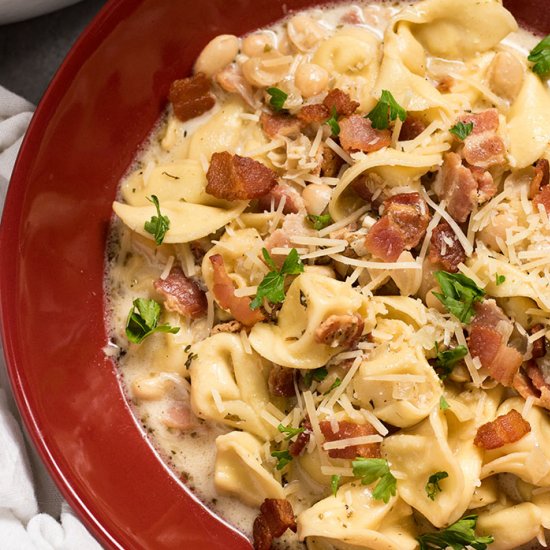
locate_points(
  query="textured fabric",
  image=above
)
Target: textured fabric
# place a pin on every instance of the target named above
(33, 515)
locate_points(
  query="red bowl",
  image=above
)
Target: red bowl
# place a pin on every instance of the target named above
(100, 106)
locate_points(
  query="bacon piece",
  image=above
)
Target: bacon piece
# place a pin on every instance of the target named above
(357, 134)
(231, 327)
(179, 417)
(191, 96)
(486, 121)
(539, 345)
(276, 516)
(280, 125)
(411, 128)
(505, 429)
(281, 381)
(530, 382)
(293, 200)
(365, 185)
(445, 84)
(232, 177)
(331, 164)
(316, 113)
(232, 80)
(340, 330)
(541, 178)
(457, 186)
(445, 248)
(182, 295)
(341, 102)
(296, 447)
(347, 430)
(385, 240)
(483, 147)
(352, 17)
(224, 292)
(543, 198)
(293, 225)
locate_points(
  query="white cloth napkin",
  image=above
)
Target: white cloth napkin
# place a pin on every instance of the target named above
(29, 501)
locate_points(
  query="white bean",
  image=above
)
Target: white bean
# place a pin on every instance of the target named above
(311, 79)
(258, 43)
(266, 70)
(506, 75)
(497, 228)
(305, 33)
(217, 54)
(316, 198)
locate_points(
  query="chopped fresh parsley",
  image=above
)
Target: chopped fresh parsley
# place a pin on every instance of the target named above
(157, 225)
(371, 469)
(283, 458)
(459, 293)
(499, 279)
(458, 536)
(289, 431)
(540, 56)
(317, 374)
(335, 384)
(447, 359)
(333, 122)
(278, 98)
(462, 129)
(386, 110)
(443, 405)
(334, 483)
(143, 321)
(319, 222)
(272, 286)
(433, 487)
(190, 358)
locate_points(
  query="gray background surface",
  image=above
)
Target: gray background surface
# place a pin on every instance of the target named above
(31, 51)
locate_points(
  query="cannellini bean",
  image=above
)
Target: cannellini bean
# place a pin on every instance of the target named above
(305, 33)
(316, 198)
(516, 306)
(432, 301)
(325, 270)
(506, 75)
(266, 70)
(497, 228)
(217, 54)
(258, 43)
(311, 79)
(150, 388)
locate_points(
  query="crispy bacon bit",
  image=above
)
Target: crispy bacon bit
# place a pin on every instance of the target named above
(232, 80)
(483, 147)
(179, 417)
(402, 226)
(541, 178)
(365, 185)
(539, 345)
(281, 381)
(276, 516)
(231, 327)
(280, 125)
(486, 186)
(411, 128)
(357, 134)
(331, 164)
(232, 177)
(182, 295)
(293, 200)
(224, 292)
(445, 248)
(352, 17)
(293, 225)
(530, 382)
(311, 114)
(342, 102)
(543, 198)
(296, 447)
(191, 96)
(486, 121)
(505, 429)
(347, 430)
(457, 186)
(340, 330)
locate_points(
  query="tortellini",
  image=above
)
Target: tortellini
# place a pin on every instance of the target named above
(228, 385)
(310, 300)
(239, 470)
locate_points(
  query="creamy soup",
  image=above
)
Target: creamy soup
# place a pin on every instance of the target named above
(328, 279)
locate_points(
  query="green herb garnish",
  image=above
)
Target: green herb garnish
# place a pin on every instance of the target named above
(443, 405)
(319, 222)
(540, 56)
(283, 458)
(317, 374)
(289, 431)
(371, 469)
(462, 129)
(458, 536)
(335, 384)
(157, 225)
(458, 294)
(272, 286)
(499, 279)
(334, 483)
(333, 122)
(143, 321)
(387, 109)
(278, 98)
(447, 359)
(433, 487)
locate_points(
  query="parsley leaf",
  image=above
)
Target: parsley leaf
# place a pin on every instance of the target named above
(333, 122)
(462, 130)
(540, 56)
(335, 384)
(283, 458)
(443, 405)
(457, 536)
(386, 110)
(290, 431)
(272, 286)
(278, 98)
(499, 279)
(433, 487)
(317, 374)
(319, 222)
(334, 483)
(459, 293)
(143, 321)
(447, 359)
(157, 225)
(371, 469)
